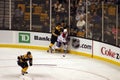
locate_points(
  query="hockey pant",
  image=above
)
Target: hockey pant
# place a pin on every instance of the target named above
(24, 66)
(63, 44)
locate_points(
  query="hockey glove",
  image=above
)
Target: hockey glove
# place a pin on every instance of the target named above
(30, 64)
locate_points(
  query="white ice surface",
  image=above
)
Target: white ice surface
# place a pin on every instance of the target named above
(55, 67)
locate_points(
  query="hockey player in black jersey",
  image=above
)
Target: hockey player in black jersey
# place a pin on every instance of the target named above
(23, 62)
(54, 36)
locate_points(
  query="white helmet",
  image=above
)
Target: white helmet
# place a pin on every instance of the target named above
(65, 30)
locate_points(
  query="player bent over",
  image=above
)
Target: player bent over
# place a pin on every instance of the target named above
(54, 37)
(62, 41)
(23, 62)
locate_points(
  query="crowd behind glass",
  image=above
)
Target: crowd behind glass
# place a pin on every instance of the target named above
(91, 19)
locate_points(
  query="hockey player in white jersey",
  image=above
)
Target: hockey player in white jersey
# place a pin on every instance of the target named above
(62, 41)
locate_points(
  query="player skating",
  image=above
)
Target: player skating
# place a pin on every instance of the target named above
(23, 62)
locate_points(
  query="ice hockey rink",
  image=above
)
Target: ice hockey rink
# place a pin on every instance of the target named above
(54, 66)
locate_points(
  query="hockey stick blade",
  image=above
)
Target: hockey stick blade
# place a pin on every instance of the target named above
(44, 64)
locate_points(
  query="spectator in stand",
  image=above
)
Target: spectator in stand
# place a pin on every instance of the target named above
(57, 19)
(114, 30)
(81, 23)
(72, 10)
(60, 8)
(45, 27)
(72, 14)
(97, 32)
(96, 19)
(89, 27)
(57, 6)
(73, 31)
(108, 38)
(81, 27)
(80, 7)
(18, 17)
(46, 6)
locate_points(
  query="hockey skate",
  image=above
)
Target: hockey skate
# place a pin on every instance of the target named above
(50, 49)
(65, 51)
(23, 73)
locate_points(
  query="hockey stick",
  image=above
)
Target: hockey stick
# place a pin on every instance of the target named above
(44, 64)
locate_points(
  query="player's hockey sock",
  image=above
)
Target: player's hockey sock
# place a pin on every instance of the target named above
(50, 47)
(24, 70)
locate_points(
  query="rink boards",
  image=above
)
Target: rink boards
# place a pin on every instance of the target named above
(80, 46)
